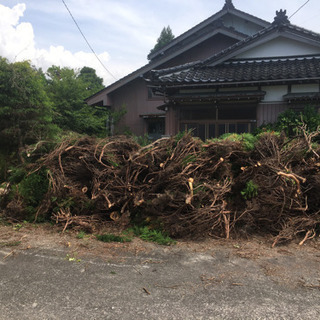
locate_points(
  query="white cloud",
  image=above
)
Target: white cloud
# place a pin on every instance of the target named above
(17, 43)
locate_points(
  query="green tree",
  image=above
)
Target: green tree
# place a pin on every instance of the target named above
(165, 37)
(25, 110)
(92, 81)
(67, 90)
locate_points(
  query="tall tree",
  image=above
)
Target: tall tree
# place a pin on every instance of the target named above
(92, 81)
(25, 111)
(165, 37)
(67, 90)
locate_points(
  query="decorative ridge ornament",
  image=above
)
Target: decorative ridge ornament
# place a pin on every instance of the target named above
(281, 18)
(228, 5)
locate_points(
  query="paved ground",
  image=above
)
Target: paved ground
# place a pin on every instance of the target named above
(68, 278)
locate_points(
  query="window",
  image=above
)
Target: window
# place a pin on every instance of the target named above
(208, 122)
(155, 128)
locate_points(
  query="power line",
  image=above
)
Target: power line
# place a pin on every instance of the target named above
(299, 9)
(84, 37)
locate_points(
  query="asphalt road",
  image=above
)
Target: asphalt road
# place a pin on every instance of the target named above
(164, 283)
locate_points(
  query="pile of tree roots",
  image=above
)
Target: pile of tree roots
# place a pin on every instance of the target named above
(186, 187)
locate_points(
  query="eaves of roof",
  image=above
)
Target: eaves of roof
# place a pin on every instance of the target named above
(154, 64)
(267, 70)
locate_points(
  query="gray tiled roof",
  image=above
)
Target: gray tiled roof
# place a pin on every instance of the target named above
(254, 70)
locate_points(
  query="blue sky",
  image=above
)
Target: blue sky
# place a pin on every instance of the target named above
(122, 32)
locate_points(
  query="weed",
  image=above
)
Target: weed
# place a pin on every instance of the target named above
(142, 140)
(81, 235)
(147, 234)
(250, 191)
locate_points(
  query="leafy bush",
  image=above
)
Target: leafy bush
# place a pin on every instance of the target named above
(290, 121)
(33, 187)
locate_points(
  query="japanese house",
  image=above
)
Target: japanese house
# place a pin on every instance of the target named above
(231, 73)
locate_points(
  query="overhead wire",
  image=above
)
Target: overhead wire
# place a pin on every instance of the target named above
(84, 37)
(299, 9)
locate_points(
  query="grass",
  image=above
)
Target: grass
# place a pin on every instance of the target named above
(152, 235)
(144, 233)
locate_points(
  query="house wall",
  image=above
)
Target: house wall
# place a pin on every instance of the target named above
(305, 88)
(133, 97)
(268, 112)
(241, 25)
(280, 47)
(274, 93)
(201, 51)
(273, 103)
(172, 121)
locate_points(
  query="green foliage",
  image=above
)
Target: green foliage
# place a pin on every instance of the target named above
(165, 37)
(250, 191)
(81, 235)
(142, 140)
(190, 158)
(290, 121)
(181, 134)
(65, 203)
(33, 187)
(16, 174)
(147, 234)
(3, 167)
(25, 110)
(92, 82)
(248, 140)
(112, 238)
(67, 90)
